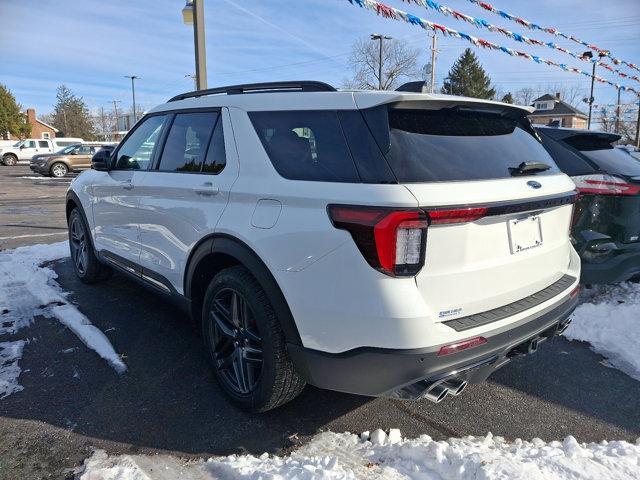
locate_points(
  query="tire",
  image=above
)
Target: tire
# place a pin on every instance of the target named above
(9, 160)
(248, 350)
(58, 170)
(85, 263)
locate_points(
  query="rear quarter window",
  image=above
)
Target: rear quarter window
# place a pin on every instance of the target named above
(306, 145)
(459, 145)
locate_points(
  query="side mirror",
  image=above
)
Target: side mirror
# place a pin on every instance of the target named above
(22, 147)
(101, 161)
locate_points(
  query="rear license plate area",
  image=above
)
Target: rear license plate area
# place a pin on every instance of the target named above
(525, 233)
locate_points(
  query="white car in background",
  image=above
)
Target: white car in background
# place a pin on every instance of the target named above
(378, 243)
(23, 151)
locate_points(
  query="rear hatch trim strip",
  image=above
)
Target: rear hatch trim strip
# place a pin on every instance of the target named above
(516, 206)
(500, 313)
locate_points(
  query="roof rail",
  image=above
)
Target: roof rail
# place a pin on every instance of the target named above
(302, 86)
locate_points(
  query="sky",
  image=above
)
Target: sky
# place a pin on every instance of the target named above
(90, 45)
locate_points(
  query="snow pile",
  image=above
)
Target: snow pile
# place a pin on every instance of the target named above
(609, 319)
(331, 456)
(27, 290)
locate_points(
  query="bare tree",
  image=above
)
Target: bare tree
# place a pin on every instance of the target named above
(571, 94)
(525, 96)
(398, 61)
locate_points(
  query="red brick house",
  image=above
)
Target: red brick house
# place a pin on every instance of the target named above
(552, 111)
(39, 129)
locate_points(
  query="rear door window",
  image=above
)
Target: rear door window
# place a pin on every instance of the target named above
(458, 145)
(186, 145)
(43, 144)
(306, 145)
(216, 158)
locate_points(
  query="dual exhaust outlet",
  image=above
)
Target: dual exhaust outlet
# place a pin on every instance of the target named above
(439, 392)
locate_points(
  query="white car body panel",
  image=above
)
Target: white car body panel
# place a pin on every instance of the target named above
(338, 301)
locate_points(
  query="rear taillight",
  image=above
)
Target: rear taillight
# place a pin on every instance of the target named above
(602, 184)
(391, 241)
(458, 215)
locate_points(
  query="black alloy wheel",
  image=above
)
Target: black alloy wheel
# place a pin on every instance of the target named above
(78, 245)
(236, 341)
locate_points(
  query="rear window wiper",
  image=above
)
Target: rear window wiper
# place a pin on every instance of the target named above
(526, 168)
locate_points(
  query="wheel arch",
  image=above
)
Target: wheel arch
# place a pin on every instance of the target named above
(219, 251)
(73, 201)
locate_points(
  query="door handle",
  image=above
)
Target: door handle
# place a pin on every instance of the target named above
(207, 189)
(127, 185)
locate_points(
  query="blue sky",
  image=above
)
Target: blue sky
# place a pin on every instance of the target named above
(91, 44)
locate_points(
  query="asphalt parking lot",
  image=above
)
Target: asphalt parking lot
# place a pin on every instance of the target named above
(167, 401)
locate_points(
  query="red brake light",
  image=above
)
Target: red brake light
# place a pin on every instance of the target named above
(391, 241)
(460, 346)
(459, 215)
(602, 184)
(574, 293)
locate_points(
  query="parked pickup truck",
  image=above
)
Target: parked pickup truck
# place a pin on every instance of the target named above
(26, 149)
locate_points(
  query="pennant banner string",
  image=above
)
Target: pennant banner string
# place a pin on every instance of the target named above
(396, 14)
(553, 31)
(480, 23)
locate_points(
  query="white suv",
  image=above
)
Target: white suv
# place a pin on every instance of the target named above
(377, 243)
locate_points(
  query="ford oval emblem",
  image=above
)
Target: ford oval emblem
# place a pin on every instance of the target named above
(534, 184)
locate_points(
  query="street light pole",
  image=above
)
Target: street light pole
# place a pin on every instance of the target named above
(133, 93)
(193, 14)
(380, 38)
(618, 113)
(434, 41)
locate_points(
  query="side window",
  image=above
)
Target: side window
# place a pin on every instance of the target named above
(135, 153)
(306, 145)
(29, 144)
(43, 144)
(85, 150)
(187, 141)
(216, 155)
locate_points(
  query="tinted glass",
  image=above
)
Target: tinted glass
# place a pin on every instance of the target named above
(85, 150)
(306, 145)
(452, 145)
(614, 160)
(216, 158)
(568, 160)
(43, 144)
(135, 153)
(187, 142)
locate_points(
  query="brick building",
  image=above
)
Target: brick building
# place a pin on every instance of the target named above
(552, 111)
(39, 129)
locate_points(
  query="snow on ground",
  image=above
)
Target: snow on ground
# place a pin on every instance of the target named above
(609, 319)
(331, 456)
(28, 289)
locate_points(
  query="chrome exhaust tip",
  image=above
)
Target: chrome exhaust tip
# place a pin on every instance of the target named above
(437, 393)
(455, 386)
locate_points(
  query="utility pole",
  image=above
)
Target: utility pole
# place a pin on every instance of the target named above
(434, 41)
(594, 61)
(133, 92)
(618, 113)
(638, 127)
(193, 14)
(380, 38)
(115, 112)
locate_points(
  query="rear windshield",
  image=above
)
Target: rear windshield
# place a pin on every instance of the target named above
(607, 157)
(452, 145)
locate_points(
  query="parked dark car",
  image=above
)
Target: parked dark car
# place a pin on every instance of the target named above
(606, 223)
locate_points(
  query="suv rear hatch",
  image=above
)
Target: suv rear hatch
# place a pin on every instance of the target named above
(499, 208)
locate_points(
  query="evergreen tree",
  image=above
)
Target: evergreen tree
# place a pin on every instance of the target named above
(71, 115)
(508, 98)
(11, 120)
(468, 78)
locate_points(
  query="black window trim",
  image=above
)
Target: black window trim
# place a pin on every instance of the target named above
(114, 154)
(154, 166)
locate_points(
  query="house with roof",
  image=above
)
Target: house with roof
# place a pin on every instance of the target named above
(39, 129)
(553, 112)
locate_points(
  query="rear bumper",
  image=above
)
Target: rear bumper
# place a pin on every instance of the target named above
(395, 373)
(618, 268)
